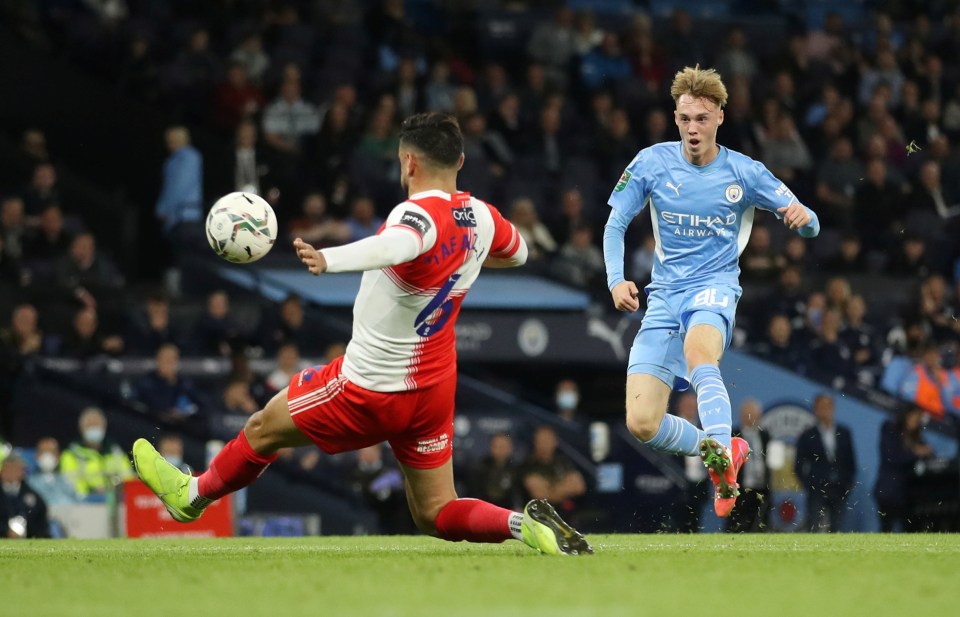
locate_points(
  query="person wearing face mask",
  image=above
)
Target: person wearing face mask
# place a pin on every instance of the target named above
(48, 482)
(23, 513)
(568, 400)
(170, 448)
(93, 464)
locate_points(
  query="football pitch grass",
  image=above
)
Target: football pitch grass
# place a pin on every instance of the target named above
(657, 575)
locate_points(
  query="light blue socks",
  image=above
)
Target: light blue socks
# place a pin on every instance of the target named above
(712, 402)
(677, 436)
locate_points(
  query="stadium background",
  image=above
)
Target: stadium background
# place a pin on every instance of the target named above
(853, 104)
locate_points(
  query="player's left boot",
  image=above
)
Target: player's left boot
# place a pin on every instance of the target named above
(723, 466)
(544, 530)
(169, 483)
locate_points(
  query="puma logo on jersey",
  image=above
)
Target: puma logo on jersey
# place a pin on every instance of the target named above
(676, 189)
(416, 221)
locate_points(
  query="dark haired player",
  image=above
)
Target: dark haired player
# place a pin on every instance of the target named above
(397, 379)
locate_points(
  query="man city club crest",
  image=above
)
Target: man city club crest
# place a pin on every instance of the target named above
(734, 193)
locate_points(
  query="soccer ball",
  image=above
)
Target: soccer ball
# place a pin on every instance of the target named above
(241, 227)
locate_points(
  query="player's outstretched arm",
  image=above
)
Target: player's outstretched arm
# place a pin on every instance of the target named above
(518, 258)
(313, 259)
(393, 246)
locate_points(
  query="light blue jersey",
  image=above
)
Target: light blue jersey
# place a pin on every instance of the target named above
(702, 216)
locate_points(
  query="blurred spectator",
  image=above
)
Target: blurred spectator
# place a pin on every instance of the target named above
(23, 337)
(495, 478)
(837, 181)
(548, 474)
(780, 348)
(33, 143)
(85, 340)
(884, 71)
(216, 332)
(540, 244)
(586, 34)
(150, 327)
(236, 99)
(936, 310)
(180, 204)
(166, 393)
(333, 351)
(932, 206)
(580, 261)
(11, 273)
(552, 45)
(234, 407)
(570, 216)
(616, 143)
(48, 482)
(910, 259)
(547, 145)
(438, 91)
(795, 253)
(13, 227)
(290, 324)
(139, 73)
(930, 386)
(406, 88)
(170, 448)
(830, 358)
(696, 492)
(849, 259)
(858, 335)
(381, 486)
(759, 262)
(363, 220)
(901, 446)
(838, 293)
(826, 467)
(84, 272)
(251, 56)
(787, 298)
(42, 191)
(94, 464)
(50, 242)
(736, 61)
(335, 144)
(752, 510)
(877, 206)
(288, 365)
(784, 151)
(23, 512)
(316, 226)
(289, 119)
(604, 65)
(567, 399)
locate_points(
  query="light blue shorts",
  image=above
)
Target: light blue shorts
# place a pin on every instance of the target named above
(658, 347)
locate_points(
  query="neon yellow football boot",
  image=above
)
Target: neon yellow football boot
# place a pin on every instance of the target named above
(169, 483)
(544, 530)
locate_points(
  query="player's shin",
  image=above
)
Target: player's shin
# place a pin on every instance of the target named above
(234, 467)
(713, 402)
(676, 436)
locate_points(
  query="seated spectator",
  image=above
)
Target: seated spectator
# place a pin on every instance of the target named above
(540, 244)
(380, 485)
(170, 448)
(167, 394)
(570, 216)
(49, 482)
(94, 464)
(830, 358)
(759, 261)
(251, 56)
(849, 259)
(363, 220)
(13, 227)
(795, 253)
(150, 327)
(838, 293)
(42, 191)
(23, 513)
(858, 335)
(85, 340)
(288, 120)
(910, 260)
(12, 274)
(290, 324)
(877, 207)
(901, 446)
(837, 182)
(936, 311)
(780, 348)
(494, 478)
(604, 65)
(548, 474)
(50, 243)
(23, 337)
(236, 98)
(83, 272)
(930, 386)
(580, 261)
(315, 226)
(567, 398)
(216, 332)
(288, 365)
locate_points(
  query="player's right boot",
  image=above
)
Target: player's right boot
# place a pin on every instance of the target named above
(723, 466)
(170, 484)
(544, 530)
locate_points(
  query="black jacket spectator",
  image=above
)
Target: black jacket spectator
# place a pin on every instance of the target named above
(23, 513)
(826, 468)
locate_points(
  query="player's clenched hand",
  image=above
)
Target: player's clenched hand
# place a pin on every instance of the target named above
(795, 216)
(313, 259)
(625, 295)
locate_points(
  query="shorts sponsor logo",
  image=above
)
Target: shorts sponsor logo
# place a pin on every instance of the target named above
(416, 221)
(622, 183)
(434, 444)
(734, 193)
(464, 217)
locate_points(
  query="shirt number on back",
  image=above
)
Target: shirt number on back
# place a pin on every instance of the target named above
(441, 302)
(708, 297)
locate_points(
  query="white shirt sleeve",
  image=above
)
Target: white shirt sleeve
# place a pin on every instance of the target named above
(408, 233)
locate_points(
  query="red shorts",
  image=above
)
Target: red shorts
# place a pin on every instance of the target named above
(339, 415)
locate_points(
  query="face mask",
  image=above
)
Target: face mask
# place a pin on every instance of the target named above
(567, 399)
(47, 462)
(176, 461)
(94, 434)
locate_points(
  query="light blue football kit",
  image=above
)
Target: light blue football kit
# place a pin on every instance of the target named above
(702, 217)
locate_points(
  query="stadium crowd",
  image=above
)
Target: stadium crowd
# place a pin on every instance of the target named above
(859, 115)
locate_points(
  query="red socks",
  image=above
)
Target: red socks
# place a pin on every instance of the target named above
(474, 521)
(235, 467)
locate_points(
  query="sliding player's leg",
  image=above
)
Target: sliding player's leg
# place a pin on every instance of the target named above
(237, 465)
(438, 511)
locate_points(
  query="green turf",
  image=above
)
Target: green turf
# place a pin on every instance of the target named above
(657, 575)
